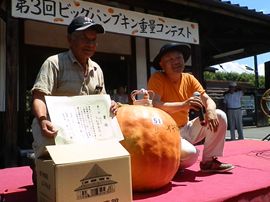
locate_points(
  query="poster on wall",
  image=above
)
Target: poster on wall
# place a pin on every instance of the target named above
(113, 19)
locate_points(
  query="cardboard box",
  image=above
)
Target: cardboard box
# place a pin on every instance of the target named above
(98, 172)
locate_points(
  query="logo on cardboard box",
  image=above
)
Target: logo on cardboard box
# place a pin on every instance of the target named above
(96, 182)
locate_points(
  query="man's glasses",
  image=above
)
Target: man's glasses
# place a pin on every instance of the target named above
(83, 39)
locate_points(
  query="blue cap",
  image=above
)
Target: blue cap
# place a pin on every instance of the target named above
(82, 23)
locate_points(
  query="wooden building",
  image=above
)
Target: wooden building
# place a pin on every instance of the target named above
(225, 32)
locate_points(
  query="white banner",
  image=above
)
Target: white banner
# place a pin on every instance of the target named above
(113, 19)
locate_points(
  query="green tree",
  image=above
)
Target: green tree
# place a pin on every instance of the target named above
(232, 76)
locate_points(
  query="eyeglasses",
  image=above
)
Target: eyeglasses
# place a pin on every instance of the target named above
(84, 39)
(91, 42)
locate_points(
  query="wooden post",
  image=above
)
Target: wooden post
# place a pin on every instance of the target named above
(256, 72)
(267, 74)
(197, 68)
(12, 69)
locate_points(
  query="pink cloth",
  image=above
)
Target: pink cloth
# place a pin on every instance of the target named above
(249, 181)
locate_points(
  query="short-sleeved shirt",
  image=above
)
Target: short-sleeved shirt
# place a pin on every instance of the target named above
(233, 100)
(62, 75)
(179, 92)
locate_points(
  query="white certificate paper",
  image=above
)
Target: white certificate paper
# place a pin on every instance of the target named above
(80, 119)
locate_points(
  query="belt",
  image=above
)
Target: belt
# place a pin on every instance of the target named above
(234, 108)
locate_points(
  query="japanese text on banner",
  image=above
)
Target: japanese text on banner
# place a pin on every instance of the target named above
(113, 19)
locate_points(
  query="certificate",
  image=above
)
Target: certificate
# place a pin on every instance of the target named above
(80, 119)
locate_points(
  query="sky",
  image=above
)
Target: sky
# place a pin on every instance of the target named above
(258, 5)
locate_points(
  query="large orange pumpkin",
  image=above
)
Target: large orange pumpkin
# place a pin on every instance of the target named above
(152, 138)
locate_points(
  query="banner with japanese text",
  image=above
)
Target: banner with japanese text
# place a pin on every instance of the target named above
(113, 19)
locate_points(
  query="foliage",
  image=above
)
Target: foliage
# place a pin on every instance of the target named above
(232, 76)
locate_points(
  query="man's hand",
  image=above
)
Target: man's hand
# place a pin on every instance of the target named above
(40, 111)
(47, 128)
(114, 107)
(194, 103)
(212, 120)
(210, 115)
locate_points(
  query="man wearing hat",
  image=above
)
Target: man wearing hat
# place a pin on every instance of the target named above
(232, 101)
(176, 93)
(68, 73)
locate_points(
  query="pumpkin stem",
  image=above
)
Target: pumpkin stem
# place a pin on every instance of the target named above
(146, 94)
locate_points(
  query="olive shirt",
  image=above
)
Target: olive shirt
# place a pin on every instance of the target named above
(170, 92)
(62, 75)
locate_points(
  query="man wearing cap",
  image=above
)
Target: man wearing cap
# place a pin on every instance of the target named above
(232, 101)
(176, 93)
(68, 73)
